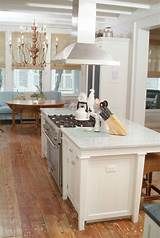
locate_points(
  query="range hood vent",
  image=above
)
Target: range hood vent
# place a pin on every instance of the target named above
(84, 51)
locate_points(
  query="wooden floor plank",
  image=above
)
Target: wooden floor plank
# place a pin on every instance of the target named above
(30, 204)
(10, 223)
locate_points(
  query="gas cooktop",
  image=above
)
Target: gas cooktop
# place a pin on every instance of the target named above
(70, 121)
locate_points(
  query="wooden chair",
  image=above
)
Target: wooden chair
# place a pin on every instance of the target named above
(152, 164)
(30, 117)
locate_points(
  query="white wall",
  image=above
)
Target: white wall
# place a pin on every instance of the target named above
(114, 79)
(137, 27)
(125, 24)
(139, 75)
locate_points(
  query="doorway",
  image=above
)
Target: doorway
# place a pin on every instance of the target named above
(152, 110)
(140, 55)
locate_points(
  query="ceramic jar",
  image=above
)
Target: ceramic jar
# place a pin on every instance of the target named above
(108, 32)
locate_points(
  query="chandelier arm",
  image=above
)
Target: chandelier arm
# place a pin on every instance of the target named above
(43, 57)
(13, 58)
(23, 54)
(20, 54)
(46, 54)
(27, 54)
(39, 59)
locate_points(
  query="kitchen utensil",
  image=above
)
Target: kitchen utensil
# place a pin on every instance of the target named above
(82, 104)
(82, 108)
(97, 123)
(81, 114)
(111, 121)
(82, 111)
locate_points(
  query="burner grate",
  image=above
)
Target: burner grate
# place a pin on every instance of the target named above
(70, 121)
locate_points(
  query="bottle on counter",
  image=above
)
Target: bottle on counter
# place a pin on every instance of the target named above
(97, 122)
(108, 32)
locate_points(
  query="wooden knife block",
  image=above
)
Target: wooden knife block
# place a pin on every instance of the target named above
(114, 126)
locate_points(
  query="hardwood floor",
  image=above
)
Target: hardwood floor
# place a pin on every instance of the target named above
(30, 204)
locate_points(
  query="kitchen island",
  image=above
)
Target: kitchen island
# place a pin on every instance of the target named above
(102, 174)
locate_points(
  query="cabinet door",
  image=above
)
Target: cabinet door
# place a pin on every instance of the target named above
(109, 186)
(73, 178)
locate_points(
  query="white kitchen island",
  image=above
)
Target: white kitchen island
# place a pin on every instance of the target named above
(102, 173)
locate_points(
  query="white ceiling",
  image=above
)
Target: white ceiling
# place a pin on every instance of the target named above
(58, 12)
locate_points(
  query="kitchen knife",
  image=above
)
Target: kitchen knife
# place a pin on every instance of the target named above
(111, 121)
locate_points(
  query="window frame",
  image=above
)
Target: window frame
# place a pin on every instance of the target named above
(64, 92)
(19, 88)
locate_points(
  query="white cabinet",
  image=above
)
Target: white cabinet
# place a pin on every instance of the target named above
(102, 186)
(71, 161)
(109, 186)
(114, 79)
(73, 178)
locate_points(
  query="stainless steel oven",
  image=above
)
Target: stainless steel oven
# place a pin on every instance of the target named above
(53, 134)
(54, 152)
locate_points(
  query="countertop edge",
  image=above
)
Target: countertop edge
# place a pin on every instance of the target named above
(85, 148)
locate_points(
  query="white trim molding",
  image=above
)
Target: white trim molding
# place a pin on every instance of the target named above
(140, 64)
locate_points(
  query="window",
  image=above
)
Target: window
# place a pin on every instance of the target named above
(26, 80)
(2, 60)
(69, 84)
(153, 83)
(2, 78)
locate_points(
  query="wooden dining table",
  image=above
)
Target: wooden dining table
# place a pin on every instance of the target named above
(18, 107)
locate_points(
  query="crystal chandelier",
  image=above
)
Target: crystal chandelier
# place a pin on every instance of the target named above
(30, 50)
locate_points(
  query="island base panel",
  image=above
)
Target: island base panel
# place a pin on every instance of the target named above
(102, 187)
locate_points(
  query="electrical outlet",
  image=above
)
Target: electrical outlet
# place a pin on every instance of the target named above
(111, 168)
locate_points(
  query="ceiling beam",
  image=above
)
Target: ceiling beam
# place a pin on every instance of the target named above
(55, 6)
(124, 4)
(114, 11)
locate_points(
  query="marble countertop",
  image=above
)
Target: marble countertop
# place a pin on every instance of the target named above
(138, 136)
(86, 139)
(51, 111)
(153, 211)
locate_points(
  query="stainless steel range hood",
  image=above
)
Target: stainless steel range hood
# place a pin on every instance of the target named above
(84, 51)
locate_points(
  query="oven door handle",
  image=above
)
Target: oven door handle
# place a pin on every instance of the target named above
(49, 140)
